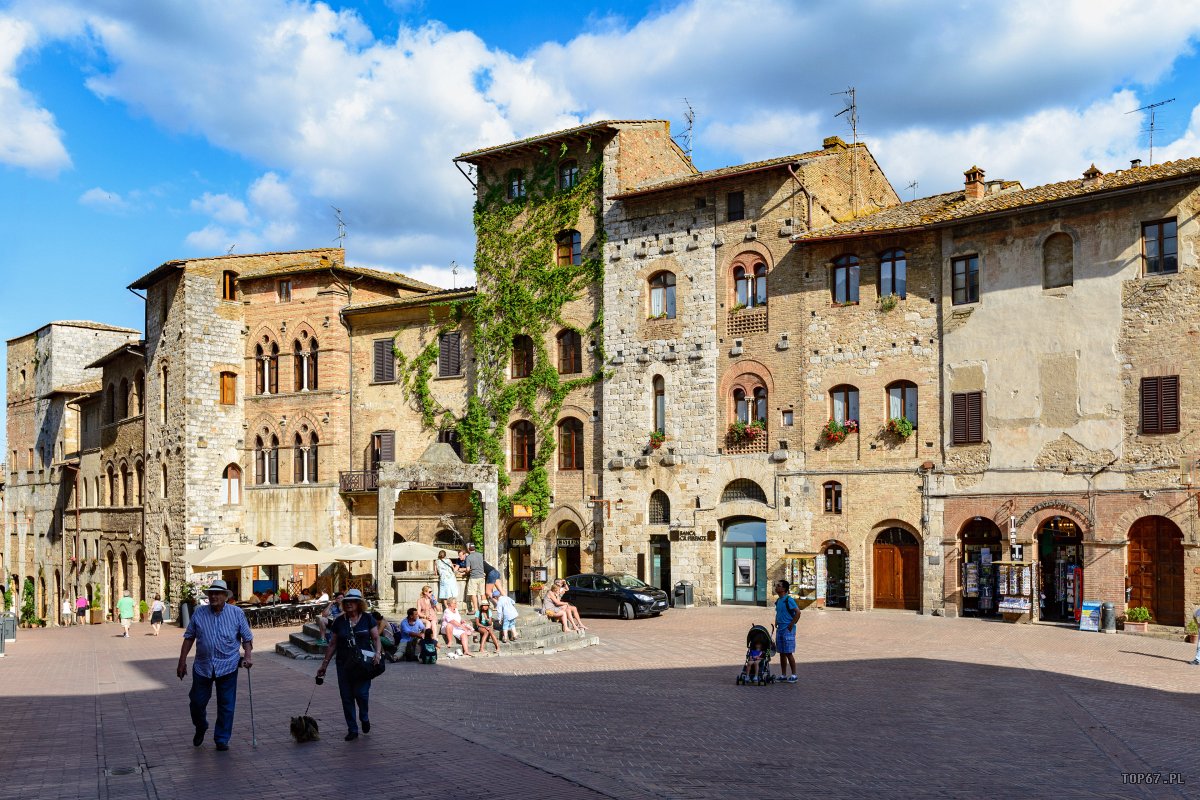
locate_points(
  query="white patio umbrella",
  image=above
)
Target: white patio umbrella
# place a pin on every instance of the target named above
(210, 558)
(281, 556)
(352, 552)
(414, 551)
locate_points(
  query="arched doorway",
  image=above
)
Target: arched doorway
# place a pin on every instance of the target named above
(139, 559)
(982, 543)
(744, 562)
(110, 602)
(63, 619)
(837, 574)
(897, 567)
(567, 549)
(1155, 569)
(1060, 562)
(304, 576)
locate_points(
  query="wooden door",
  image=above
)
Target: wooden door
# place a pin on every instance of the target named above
(1155, 569)
(910, 572)
(897, 578)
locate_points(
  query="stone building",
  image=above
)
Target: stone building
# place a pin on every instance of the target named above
(708, 309)
(249, 365)
(1066, 313)
(48, 370)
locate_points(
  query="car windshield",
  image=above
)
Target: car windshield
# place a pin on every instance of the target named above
(628, 582)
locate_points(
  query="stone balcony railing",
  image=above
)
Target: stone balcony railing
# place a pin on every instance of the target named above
(748, 320)
(756, 445)
(363, 480)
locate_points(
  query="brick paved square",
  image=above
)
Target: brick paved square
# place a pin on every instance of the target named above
(888, 705)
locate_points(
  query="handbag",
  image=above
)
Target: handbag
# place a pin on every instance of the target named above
(360, 667)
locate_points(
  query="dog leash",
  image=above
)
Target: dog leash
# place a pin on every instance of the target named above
(310, 698)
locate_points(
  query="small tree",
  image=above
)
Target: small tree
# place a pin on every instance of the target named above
(28, 615)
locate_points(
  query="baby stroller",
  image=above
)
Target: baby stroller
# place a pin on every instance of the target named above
(760, 649)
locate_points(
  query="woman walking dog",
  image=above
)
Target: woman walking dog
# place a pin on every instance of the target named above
(353, 629)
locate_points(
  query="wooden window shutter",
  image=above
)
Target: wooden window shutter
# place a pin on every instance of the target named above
(274, 362)
(385, 362)
(1170, 404)
(958, 419)
(975, 417)
(449, 355)
(387, 446)
(273, 464)
(1151, 419)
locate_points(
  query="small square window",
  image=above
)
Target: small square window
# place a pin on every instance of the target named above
(736, 206)
(964, 273)
(788, 418)
(284, 291)
(701, 202)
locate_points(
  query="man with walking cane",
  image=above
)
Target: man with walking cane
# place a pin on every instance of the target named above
(223, 642)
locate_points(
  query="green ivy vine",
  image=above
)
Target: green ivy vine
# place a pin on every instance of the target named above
(521, 291)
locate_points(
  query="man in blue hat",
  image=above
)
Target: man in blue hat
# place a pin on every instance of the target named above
(223, 641)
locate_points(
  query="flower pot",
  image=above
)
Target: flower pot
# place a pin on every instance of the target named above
(96, 615)
(1190, 638)
(1136, 627)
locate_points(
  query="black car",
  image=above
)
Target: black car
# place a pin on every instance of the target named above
(615, 595)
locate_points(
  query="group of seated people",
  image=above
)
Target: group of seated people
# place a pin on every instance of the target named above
(559, 610)
(268, 597)
(494, 621)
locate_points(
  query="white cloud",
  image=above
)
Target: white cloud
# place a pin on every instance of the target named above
(272, 196)
(103, 200)
(29, 136)
(222, 208)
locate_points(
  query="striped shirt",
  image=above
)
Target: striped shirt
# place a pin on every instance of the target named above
(218, 639)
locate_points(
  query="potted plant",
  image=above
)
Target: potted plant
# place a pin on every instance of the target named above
(834, 431)
(900, 427)
(96, 612)
(656, 439)
(1137, 619)
(144, 610)
(1191, 630)
(744, 432)
(28, 616)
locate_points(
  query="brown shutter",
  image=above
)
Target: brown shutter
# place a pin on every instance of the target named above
(273, 463)
(449, 355)
(258, 376)
(975, 417)
(1151, 419)
(958, 419)
(274, 361)
(312, 368)
(385, 362)
(387, 446)
(1170, 403)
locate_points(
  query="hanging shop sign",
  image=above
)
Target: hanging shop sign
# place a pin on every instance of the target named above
(521, 512)
(693, 536)
(435, 486)
(518, 542)
(568, 543)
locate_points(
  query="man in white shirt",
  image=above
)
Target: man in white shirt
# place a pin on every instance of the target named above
(324, 598)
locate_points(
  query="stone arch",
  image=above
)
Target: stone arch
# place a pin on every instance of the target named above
(1039, 513)
(1155, 507)
(263, 331)
(561, 514)
(741, 369)
(894, 522)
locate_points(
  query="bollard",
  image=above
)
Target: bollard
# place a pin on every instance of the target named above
(1108, 617)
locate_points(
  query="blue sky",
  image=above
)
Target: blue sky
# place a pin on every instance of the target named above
(143, 130)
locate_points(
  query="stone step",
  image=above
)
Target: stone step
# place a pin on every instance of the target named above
(292, 651)
(306, 642)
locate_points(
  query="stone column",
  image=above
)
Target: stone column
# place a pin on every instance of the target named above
(385, 525)
(491, 521)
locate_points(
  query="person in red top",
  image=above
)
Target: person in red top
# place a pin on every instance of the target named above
(81, 608)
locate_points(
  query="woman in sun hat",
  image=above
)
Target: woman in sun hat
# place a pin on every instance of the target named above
(353, 629)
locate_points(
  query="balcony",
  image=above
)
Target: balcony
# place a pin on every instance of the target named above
(748, 320)
(358, 481)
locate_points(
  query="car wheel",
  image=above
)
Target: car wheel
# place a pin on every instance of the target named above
(626, 611)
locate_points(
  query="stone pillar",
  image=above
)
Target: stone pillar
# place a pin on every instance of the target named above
(491, 521)
(385, 524)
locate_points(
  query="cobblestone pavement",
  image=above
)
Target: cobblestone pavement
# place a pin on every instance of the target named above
(888, 705)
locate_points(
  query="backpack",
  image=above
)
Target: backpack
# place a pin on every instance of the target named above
(428, 652)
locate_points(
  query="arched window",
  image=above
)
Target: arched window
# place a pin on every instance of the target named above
(266, 460)
(162, 480)
(845, 279)
(162, 397)
(662, 295)
(833, 497)
(570, 444)
(893, 274)
(266, 380)
(759, 411)
(1058, 261)
(569, 248)
(750, 285)
(123, 399)
(660, 404)
(741, 286)
(110, 405)
(902, 401)
(231, 485)
(304, 364)
(844, 403)
(139, 392)
(299, 460)
(139, 477)
(660, 508)
(522, 359)
(570, 352)
(313, 353)
(313, 451)
(741, 408)
(743, 489)
(110, 498)
(522, 445)
(568, 175)
(759, 295)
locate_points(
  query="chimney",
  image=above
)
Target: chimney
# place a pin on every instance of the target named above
(1134, 163)
(1091, 176)
(833, 143)
(974, 186)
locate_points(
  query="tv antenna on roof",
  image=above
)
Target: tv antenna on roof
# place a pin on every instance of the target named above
(1151, 108)
(913, 185)
(341, 226)
(229, 252)
(852, 109)
(689, 122)
(454, 272)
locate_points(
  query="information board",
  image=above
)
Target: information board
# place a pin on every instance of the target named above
(1089, 617)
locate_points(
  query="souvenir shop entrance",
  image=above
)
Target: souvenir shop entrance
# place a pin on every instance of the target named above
(981, 546)
(1060, 562)
(837, 573)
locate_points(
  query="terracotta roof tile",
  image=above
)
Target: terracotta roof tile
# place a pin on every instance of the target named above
(77, 389)
(954, 206)
(723, 172)
(607, 123)
(441, 296)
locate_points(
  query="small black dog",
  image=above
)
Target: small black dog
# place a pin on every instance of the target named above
(304, 729)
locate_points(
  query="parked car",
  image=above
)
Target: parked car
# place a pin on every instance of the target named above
(615, 595)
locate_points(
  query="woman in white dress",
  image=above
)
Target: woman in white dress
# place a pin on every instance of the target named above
(447, 579)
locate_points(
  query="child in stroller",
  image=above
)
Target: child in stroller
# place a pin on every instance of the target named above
(760, 649)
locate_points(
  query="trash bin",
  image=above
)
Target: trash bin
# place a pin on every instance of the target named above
(8, 624)
(684, 595)
(1108, 617)
(185, 614)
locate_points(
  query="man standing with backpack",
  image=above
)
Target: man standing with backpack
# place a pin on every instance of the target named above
(787, 611)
